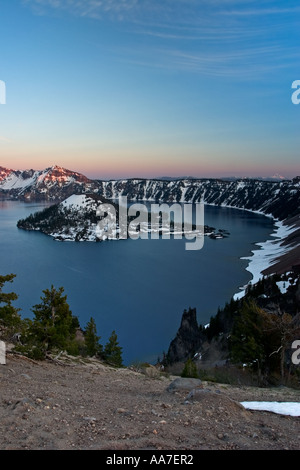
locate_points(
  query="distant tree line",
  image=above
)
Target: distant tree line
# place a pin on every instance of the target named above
(53, 328)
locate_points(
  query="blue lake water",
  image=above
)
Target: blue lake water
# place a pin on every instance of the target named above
(137, 287)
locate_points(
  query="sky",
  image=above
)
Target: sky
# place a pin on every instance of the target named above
(151, 88)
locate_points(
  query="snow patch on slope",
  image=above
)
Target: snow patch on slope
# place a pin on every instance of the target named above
(13, 181)
(282, 408)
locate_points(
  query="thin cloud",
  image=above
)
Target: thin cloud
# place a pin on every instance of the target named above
(238, 65)
(83, 8)
(206, 33)
(262, 11)
(209, 37)
(243, 63)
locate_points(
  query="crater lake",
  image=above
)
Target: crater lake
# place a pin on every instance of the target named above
(139, 288)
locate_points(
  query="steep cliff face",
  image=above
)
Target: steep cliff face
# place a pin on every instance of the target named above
(279, 199)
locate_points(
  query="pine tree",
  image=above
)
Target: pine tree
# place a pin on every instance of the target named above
(93, 347)
(53, 325)
(190, 370)
(247, 338)
(261, 339)
(10, 320)
(113, 352)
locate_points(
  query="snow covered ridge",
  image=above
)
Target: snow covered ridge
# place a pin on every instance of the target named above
(279, 199)
(53, 183)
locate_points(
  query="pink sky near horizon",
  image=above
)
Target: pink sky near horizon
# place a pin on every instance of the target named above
(120, 167)
(210, 159)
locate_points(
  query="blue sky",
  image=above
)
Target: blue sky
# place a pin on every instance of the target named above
(145, 88)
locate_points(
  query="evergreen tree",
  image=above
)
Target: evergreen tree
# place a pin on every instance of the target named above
(10, 320)
(190, 369)
(93, 347)
(113, 352)
(53, 325)
(246, 340)
(261, 339)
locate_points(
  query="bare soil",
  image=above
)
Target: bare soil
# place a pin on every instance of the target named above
(89, 406)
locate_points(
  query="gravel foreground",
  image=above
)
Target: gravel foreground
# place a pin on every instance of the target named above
(89, 406)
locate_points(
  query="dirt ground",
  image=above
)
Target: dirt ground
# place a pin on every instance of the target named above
(49, 406)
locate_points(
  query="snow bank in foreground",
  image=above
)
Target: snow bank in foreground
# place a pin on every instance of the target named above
(282, 408)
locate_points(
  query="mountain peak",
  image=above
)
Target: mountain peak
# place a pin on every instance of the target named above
(4, 172)
(59, 170)
(52, 183)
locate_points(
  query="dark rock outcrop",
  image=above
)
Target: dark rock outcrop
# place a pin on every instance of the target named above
(187, 340)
